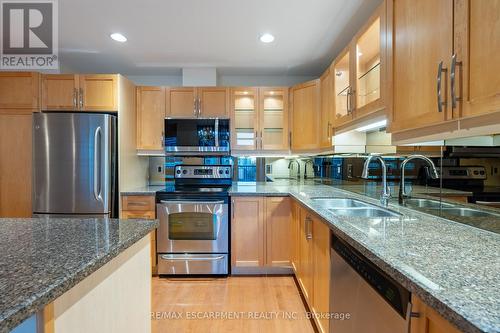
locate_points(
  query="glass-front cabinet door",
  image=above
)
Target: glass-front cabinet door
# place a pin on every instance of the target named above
(273, 133)
(343, 89)
(245, 121)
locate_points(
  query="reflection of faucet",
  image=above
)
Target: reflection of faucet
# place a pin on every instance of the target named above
(298, 167)
(386, 191)
(305, 168)
(433, 173)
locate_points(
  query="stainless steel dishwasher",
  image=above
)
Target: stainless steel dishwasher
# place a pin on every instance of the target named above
(362, 297)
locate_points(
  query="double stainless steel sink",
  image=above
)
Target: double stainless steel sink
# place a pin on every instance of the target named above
(353, 208)
(358, 208)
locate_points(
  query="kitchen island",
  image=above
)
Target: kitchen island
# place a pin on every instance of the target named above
(76, 274)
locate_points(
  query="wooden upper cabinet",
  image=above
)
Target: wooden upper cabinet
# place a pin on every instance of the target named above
(273, 118)
(244, 118)
(343, 89)
(213, 102)
(98, 92)
(305, 115)
(59, 92)
(278, 230)
(326, 125)
(181, 102)
(370, 64)
(247, 233)
(428, 320)
(19, 90)
(477, 49)
(422, 40)
(150, 117)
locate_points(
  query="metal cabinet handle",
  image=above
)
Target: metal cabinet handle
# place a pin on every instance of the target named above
(256, 140)
(454, 64)
(195, 106)
(440, 101)
(308, 228)
(199, 107)
(260, 139)
(80, 93)
(348, 100)
(232, 208)
(193, 202)
(290, 139)
(162, 139)
(409, 315)
(75, 98)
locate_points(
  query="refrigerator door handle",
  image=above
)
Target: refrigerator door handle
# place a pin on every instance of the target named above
(97, 162)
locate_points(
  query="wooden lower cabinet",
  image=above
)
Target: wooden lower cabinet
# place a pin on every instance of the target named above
(321, 273)
(428, 320)
(141, 207)
(15, 163)
(311, 245)
(260, 234)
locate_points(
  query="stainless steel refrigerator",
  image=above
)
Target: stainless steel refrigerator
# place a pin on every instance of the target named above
(74, 164)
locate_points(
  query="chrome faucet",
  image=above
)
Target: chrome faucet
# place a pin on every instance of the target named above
(305, 167)
(298, 167)
(386, 191)
(433, 173)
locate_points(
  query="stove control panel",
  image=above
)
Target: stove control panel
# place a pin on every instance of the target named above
(204, 171)
(464, 172)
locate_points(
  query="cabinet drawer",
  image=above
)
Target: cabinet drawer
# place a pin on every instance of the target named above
(138, 203)
(150, 215)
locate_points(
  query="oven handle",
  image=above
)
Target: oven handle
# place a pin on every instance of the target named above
(181, 202)
(184, 258)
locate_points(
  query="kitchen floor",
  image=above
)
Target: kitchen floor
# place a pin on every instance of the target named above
(249, 304)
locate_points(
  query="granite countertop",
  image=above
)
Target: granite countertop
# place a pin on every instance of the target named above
(453, 267)
(145, 190)
(42, 258)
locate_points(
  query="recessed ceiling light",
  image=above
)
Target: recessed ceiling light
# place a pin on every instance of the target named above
(118, 37)
(266, 38)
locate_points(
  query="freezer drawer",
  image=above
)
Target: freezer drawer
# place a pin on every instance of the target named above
(193, 264)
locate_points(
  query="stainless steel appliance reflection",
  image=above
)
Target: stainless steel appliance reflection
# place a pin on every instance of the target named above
(193, 236)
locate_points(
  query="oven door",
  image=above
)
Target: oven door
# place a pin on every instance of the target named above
(193, 226)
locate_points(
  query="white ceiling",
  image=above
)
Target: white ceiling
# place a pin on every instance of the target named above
(165, 36)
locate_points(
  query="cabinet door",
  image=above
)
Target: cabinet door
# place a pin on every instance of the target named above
(15, 164)
(19, 90)
(150, 117)
(369, 66)
(343, 88)
(59, 92)
(428, 321)
(305, 115)
(326, 127)
(244, 118)
(477, 46)
(98, 92)
(278, 230)
(181, 102)
(294, 235)
(247, 232)
(305, 272)
(273, 118)
(213, 102)
(422, 39)
(321, 272)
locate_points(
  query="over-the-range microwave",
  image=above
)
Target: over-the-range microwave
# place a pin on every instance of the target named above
(197, 136)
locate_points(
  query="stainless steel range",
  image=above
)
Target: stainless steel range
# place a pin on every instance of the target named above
(193, 237)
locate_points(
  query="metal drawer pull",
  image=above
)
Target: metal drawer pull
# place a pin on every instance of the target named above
(440, 102)
(454, 64)
(175, 258)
